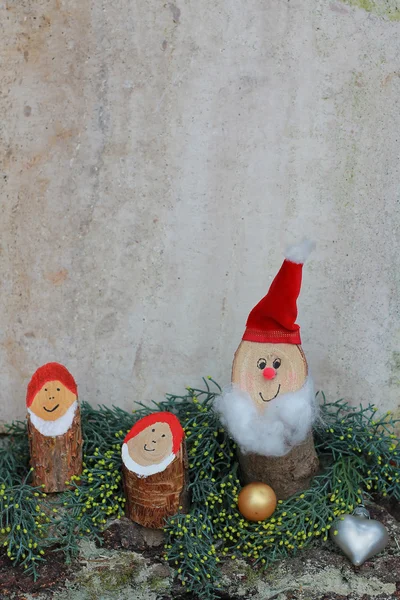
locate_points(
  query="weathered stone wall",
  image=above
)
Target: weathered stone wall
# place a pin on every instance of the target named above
(155, 160)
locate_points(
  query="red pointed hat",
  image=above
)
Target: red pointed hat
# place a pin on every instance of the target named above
(273, 319)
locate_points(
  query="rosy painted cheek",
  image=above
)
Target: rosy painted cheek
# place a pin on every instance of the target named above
(290, 379)
(247, 380)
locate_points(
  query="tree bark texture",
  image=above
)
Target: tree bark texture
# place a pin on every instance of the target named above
(151, 500)
(56, 459)
(287, 474)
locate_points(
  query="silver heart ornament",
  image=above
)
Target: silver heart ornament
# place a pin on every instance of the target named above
(359, 537)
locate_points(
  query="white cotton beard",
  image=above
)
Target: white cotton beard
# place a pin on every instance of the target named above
(141, 470)
(284, 423)
(57, 427)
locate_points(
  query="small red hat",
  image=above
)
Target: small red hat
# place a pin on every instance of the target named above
(159, 417)
(273, 319)
(49, 372)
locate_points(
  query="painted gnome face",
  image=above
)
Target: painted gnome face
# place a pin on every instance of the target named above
(266, 371)
(52, 399)
(152, 443)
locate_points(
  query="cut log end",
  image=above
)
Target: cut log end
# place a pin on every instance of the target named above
(56, 459)
(287, 474)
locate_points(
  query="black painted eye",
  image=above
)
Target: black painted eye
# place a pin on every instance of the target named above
(58, 390)
(153, 430)
(45, 389)
(261, 363)
(163, 435)
(277, 363)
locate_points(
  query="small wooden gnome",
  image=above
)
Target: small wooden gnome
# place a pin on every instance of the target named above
(54, 427)
(155, 470)
(270, 408)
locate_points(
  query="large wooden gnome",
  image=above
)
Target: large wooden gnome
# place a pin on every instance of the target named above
(155, 470)
(270, 407)
(54, 427)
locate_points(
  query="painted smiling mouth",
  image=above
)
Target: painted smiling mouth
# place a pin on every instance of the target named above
(147, 449)
(51, 410)
(263, 399)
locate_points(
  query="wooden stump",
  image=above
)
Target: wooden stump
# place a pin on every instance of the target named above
(54, 427)
(278, 404)
(287, 474)
(152, 499)
(56, 459)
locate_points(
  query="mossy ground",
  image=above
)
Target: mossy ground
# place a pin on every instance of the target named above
(317, 572)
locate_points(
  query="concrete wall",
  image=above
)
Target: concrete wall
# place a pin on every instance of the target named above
(157, 157)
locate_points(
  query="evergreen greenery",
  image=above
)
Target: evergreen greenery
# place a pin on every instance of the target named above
(358, 452)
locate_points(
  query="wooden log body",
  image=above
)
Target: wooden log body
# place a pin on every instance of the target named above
(151, 499)
(292, 472)
(271, 368)
(286, 474)
(56, 459)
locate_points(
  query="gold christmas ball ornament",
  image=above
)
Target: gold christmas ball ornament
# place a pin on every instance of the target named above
(257, 501)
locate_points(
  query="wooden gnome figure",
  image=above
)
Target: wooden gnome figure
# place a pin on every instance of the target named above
(54, 427)
(270, 408)
(155, 470)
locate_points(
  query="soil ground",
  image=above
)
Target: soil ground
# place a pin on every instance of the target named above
(129, 567)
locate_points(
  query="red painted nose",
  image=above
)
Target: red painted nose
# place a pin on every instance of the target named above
(269, 373)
